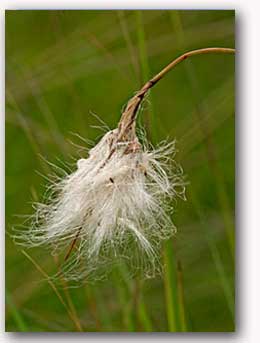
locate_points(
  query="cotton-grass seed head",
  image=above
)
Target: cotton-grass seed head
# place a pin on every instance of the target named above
(110, 209)
(115, 207)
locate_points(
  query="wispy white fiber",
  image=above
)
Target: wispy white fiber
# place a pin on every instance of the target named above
(112, 209)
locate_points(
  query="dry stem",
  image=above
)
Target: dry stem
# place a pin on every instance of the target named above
(127, 121)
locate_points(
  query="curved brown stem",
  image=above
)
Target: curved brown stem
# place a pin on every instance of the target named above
(126, 124)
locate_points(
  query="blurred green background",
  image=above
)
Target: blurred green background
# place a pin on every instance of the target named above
(61, 66)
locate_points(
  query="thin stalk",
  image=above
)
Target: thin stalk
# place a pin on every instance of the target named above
(28, 130)
(182, 312)
(223, 278)
(68, 297)
(15, 313)
(143, 317)
(91, 295)
(149, 116)
(139, 307)
(170, 285)
(72, 307)
(129, 43)
(52, 285)
(125, 298)
(129, 115)
(145, 70)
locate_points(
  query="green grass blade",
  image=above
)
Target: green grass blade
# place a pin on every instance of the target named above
(170, 283)
(182, 312)
(149, 117)
(216, 257)
(140, 309)
(55, 289)
(143, 317)
(18, 319)
(210, 147)
(123, 289)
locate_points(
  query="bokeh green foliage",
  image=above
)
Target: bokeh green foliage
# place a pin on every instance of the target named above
(63, 65)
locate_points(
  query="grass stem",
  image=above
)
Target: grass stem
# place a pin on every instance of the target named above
(15, 313)
(170, 284)
(52, 285)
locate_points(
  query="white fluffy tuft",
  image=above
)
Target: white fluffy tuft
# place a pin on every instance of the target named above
(112, 209)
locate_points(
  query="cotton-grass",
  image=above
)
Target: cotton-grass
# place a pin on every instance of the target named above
(116, 206)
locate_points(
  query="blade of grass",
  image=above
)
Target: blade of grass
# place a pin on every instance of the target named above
(72, 307)
(143, 316)
(132, 300)
(221, 193)
(109, 55)
(182, 312)
(124, 295)
(106, 312)
(45, 110)
(149, 117)
(43, 323)
(18, 318)
(52, 285)
(27, 129)
(129, 43)
(221, 104)
(68, 296)
(215, 256)
(170, 285)
(144, 64)
(139, 305)
(129, 319)
(91, 294)
(209, 147)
